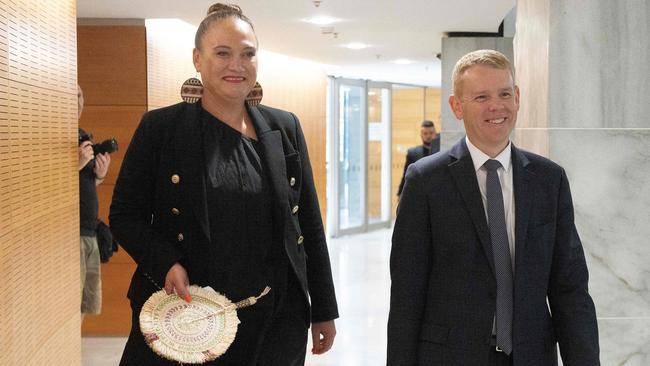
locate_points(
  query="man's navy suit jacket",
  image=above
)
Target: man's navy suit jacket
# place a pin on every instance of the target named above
(443, 293)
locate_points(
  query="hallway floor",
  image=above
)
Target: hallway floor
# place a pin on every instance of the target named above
(360, 269)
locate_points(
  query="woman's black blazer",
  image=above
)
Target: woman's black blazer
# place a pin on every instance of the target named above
(159, 210)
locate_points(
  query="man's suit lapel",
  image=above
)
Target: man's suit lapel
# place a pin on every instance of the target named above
(189, 154)
(462, 170)
(273, 158)
(523, 199)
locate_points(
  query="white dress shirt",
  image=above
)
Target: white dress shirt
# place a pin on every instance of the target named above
(505, 179)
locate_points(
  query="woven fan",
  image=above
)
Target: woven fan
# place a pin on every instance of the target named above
(195, 332)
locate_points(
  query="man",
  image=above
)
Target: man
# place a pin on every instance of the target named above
(430, 145)
(484, 240)
(92, 171)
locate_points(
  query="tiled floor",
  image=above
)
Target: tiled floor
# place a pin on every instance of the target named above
(360, 269)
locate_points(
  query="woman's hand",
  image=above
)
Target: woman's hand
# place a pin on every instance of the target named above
(177, 281)
(328, 331)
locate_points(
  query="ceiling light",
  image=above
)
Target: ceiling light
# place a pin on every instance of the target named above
(356, 46)
(322, 20)
(402, 61)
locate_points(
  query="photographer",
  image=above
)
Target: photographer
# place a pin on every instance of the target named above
(92, 171)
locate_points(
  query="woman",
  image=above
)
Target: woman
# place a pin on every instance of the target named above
(221, 194)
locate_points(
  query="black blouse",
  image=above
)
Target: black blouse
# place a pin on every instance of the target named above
(239, 208)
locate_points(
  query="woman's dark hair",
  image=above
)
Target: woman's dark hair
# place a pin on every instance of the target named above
(218, 12)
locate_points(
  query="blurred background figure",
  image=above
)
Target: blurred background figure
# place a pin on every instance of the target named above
(92, 172)
(430, 145)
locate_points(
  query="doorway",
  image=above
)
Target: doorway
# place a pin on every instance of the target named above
(359, 156)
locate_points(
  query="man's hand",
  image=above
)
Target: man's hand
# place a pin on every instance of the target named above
(85, 153)
(102, 161)
(177, 281)
(328, 331)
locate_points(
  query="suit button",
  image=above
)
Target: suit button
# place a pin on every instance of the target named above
(176, 179)
(301, 239)
(176, 211)
(180, 237)
(292, 181)
(294, 210)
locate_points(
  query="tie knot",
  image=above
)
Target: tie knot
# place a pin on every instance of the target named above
(492, 165)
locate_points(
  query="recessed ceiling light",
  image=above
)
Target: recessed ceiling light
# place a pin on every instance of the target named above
(402, 61)
(322, 20)
(356, 46)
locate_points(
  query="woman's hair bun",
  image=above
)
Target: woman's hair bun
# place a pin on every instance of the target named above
(224, 8)
(216, 13)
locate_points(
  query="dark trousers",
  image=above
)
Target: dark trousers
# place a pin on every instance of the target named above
(285, 338)
(271, 335)
(499, 358)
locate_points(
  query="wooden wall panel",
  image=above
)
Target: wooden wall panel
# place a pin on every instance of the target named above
(113, 65)
(169, 60)
(432, 105)
(113, 76)
(4, 40)
(39, 222)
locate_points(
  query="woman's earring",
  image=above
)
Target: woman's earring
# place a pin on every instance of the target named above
(192, 90)
(255, 96)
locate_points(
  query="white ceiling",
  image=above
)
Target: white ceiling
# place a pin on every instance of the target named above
(410, 29)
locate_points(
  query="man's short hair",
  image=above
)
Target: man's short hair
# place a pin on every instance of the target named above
(427, 123)
(490, 58)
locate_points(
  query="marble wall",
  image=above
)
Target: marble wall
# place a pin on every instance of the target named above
(584, 75)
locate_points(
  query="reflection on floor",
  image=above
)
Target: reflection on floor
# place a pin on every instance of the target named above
(360, 268)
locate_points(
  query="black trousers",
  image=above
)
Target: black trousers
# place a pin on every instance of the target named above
(272, 334)
(499, 358)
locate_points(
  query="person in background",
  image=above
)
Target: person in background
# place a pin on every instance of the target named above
(430, 145)
(92, 172)
(220, 193)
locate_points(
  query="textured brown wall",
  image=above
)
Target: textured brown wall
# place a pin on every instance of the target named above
(113, 75)
(39, 219)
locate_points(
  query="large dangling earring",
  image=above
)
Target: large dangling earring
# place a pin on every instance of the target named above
(192, 90)
(254, 97)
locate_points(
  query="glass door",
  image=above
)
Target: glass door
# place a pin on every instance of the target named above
(358, 156)
(379, 155)
(349, 135)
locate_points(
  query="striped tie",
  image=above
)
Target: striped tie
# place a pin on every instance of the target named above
(501, 253)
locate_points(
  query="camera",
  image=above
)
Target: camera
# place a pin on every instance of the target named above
(106, 146)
